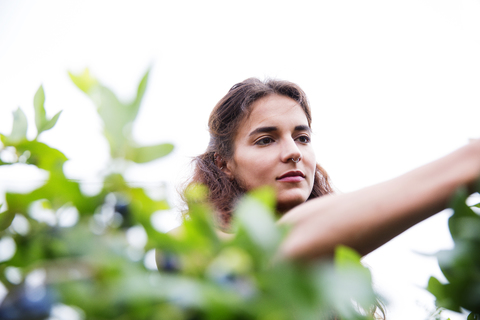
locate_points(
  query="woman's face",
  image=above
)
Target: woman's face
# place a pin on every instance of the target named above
(274, 134)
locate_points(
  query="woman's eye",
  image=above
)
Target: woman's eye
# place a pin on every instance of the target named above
(304, 139)
(264, 141)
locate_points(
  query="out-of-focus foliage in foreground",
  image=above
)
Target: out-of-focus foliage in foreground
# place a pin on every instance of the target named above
(73, 256)
(460, 265)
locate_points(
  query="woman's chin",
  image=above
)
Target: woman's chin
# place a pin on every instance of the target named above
(286, 203)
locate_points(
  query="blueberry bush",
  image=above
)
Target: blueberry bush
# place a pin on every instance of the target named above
(68, 255)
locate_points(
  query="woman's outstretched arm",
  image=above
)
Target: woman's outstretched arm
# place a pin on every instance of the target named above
(368, 218)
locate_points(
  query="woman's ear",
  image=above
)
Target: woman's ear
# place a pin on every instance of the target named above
(228, 172)
(222, 165)
(219, 162)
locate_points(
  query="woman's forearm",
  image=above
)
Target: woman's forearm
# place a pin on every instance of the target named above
(367, 218)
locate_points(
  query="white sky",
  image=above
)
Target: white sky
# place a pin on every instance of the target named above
(392, 84)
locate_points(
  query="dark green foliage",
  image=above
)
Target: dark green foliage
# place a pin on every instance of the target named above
(460, 265)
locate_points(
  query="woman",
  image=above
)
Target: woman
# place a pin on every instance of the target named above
(260, 135)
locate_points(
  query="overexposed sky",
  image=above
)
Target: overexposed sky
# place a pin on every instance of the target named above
(392, 84)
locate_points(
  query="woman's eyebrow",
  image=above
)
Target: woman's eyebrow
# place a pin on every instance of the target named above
(273, 128)
(262, 130)
(303, 128)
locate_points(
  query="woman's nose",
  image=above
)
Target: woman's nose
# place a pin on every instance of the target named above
(291, 152)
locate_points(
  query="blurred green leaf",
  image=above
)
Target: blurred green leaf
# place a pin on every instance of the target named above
(148, 153)
(43, 156)
(196, 193)
(116, 120)
(49, 124)
(117, 117)
(58, 189)
(38, 104)
(19, 128)
(347, 257)
(265, 195)
(461, 264)
(258, 222)
(353, 278)
(461, 210)
(143, 206)
(84, 81)
(6, 218)
(442, 296)
(473, 316)
(135, 105)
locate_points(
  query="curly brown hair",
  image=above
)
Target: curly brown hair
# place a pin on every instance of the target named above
(223, 125)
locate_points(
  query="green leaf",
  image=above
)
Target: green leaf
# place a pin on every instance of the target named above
(196, 192)
(84, 81)
(459, 205)
(135, 105)
(41, 121)
(354, 277)
(19, 129)
(143, 206)
(43, 156)
(115, 117)
(50, 123)
(345, 256)
(257, 220)
(473, 316)
(461, 211)
(465, 228)
(38, 104)
(6, 219)
(441, 293)
(266, 195)
(148, 153)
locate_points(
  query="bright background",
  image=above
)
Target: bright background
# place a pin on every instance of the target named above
(393, 85)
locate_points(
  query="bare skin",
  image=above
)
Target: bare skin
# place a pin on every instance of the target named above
(368, 218)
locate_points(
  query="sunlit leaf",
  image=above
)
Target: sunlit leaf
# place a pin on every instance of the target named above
(148, 153)
(143, 206)
(135, 105)
(348, 263)
(41, 121)
(19, 128)
(266, 195)
(115, 117)
(51, 123)
(84, 81)
(43, 156)
(346, 257)
(196, 193)
(40, 115)
(257, 220)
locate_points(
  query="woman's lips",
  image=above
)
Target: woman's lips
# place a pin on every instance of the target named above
(292, 176)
